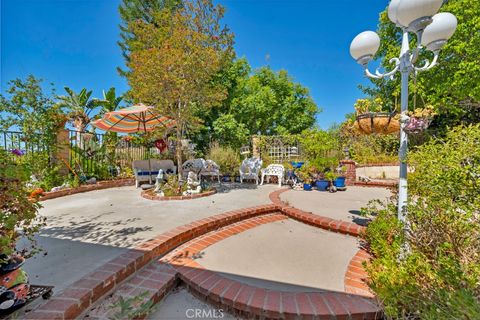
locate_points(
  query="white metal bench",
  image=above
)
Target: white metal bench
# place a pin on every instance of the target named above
(276, 170)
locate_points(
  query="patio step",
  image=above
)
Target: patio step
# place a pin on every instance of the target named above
(151, 283)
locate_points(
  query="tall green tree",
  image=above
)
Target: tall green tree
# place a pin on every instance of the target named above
(263, 102)
(453, 86)
(79, 107)
(132, 11)
(27, 107)
(175, 59)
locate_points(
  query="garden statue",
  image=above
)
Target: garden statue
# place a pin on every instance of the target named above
(193, 184)
(159, 180)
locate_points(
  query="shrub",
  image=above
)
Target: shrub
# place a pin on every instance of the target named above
(432, 271)
(227, 158)
(321, 148)
(18, 214)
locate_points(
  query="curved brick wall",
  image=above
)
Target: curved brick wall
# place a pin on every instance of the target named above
(88, 187)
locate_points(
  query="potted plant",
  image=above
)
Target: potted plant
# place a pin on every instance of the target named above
(419, 120)
(339, 181)
(323, 181)
(305, 177)
(330, 176)
(371, 119)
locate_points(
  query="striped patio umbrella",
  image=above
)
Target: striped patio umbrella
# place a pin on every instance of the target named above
(132, 119)
(136, 118)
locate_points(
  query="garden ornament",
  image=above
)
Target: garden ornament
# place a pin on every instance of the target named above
(193, 184)
(14, 286)
(159, 180)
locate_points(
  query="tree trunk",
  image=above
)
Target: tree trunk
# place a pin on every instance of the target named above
(178, 150)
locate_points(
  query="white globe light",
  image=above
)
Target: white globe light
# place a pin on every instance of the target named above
(365, 45)
(441, 29)
(411, 10)
(392, 10)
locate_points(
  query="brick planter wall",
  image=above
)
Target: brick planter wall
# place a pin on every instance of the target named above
(351, 173)
(88, 187)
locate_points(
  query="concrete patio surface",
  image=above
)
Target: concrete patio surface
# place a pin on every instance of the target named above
(86, 230)
(285, 255)
(341, 205)
(180, 305)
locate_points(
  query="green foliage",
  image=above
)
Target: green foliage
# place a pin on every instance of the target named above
(135, 10)
(438, 277)
(32, 110)
(227, 158)
(321, 148)
(132, 308)
(29, 108)
(18, 214)
(79, 106)
(230, 132)
(374, 148)
(173, 187)
(264, 102)
(452, 87)
(174, 62)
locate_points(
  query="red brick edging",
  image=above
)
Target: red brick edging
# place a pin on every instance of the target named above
(83, 293)
(253, 302)
(80, 295)
(382, 184)
(315, 220)
(356, 277)
(147, 195)
(88, 187)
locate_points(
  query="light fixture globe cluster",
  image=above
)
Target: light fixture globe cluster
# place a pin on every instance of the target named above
(420, 16)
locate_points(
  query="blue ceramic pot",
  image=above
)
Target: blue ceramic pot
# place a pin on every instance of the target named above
(322, 185)
(339, 182)
(297, 165)
(307, 187)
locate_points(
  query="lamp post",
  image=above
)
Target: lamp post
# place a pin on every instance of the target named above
(432, 30)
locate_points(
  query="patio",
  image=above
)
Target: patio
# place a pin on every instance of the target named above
(88, 230)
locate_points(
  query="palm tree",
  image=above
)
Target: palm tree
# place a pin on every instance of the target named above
(110, 101)
(79, 107)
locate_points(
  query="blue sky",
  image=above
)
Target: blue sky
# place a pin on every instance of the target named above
(73, 43)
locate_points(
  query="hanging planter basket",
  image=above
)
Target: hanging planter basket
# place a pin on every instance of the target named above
(378, 122)
(417, 125)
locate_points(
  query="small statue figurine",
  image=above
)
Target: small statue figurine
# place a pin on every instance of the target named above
(193, 185)
(159, 180)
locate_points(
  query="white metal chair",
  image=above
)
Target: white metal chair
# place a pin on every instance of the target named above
(201, 167)
(276, 170)
(250, 169)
